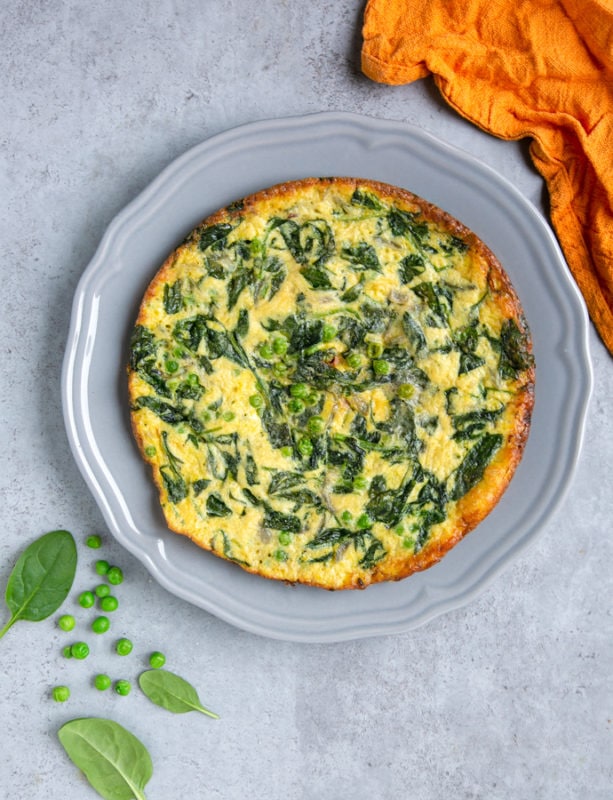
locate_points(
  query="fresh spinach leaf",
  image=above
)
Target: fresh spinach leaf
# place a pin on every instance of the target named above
(214, 236)
(172, 692)
(410, 267)
(361, 256)
(471, 470)
(41, 579)
(113, 760)
(515, 355)
(215, 506)
(173, 298)
(360, 197)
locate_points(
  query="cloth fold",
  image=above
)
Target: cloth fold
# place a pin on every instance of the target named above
(539, 68)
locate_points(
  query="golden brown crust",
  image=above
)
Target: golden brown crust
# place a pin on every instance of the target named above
(473, 506)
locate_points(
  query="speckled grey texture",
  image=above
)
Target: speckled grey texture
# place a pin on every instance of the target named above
(509, 697)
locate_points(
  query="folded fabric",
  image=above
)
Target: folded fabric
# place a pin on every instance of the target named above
(539, 68)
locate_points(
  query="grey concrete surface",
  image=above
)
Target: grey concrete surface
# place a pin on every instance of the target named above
(507, 698)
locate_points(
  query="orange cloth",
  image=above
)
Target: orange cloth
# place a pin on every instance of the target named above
(537, 68)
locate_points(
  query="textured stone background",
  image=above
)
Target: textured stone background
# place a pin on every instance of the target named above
(509, 697)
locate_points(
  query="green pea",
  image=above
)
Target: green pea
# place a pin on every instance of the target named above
(381, 367)
(123, 647)
(399, 529)
(311, 399)
(228, 416)
(66, 622)
(360, 483)
(279, 369)
(405, 391)
(374, 349)
(285, 537)
(109, 603)
(150, 451)
(280, 345)
(299, 390)
(316, 425)
(256, 400)
(280, 555)
(79, 650)
(328, 332)
(101, 625)
(123, 687)
(102, 590)
(102, 682)
(266, 350)
(172, 365)
(295, 406)
(287, 451)
(192, 379)
(87, 599)
(408, 543)
(67, 651)
(363, 522)
(94, 542)
(346, 516)
(305, 446)
(157, 659)
(354, 360)
(102, 567)
(61, 694)
(114, 576)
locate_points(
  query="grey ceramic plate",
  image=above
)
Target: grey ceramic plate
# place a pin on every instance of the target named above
(226, 168)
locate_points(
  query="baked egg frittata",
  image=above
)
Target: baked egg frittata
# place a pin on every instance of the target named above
(332, 381)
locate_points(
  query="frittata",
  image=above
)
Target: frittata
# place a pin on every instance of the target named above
(332, 382)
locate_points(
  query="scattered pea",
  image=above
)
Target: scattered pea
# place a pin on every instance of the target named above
(102, 590)
(192, 379)
(102, 567)
(300, 390)
(66, 622)
(305, 446)
(287, 451)
(316, 425)
(114, 576)
(285, 537)
(381, 367)
(101, 625)
(61, 694)
(346, 516)
(123, 647)
(150, 451)
(363, 522)
(360, 483)
(266, 350)
(67, 651)
(279, 369)
(311, 399)
(354, 360)
(228, 416)
(102, 682)
(256, 401)
(87, 599)
(280, 555)
(295, 406)
(406, 390)
(93, 541)
(157, 659)
(408, 543)
(280, 345)
(109, 603)
(79, 650)
(172, 365)
(123, 687)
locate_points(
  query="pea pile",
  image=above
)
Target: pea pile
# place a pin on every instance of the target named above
(100, 599)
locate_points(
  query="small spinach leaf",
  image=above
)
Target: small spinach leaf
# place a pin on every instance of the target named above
(41, 578)
(172, 692)
(113, 760)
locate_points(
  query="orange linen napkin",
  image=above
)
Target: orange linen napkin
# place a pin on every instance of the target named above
(537, 68)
